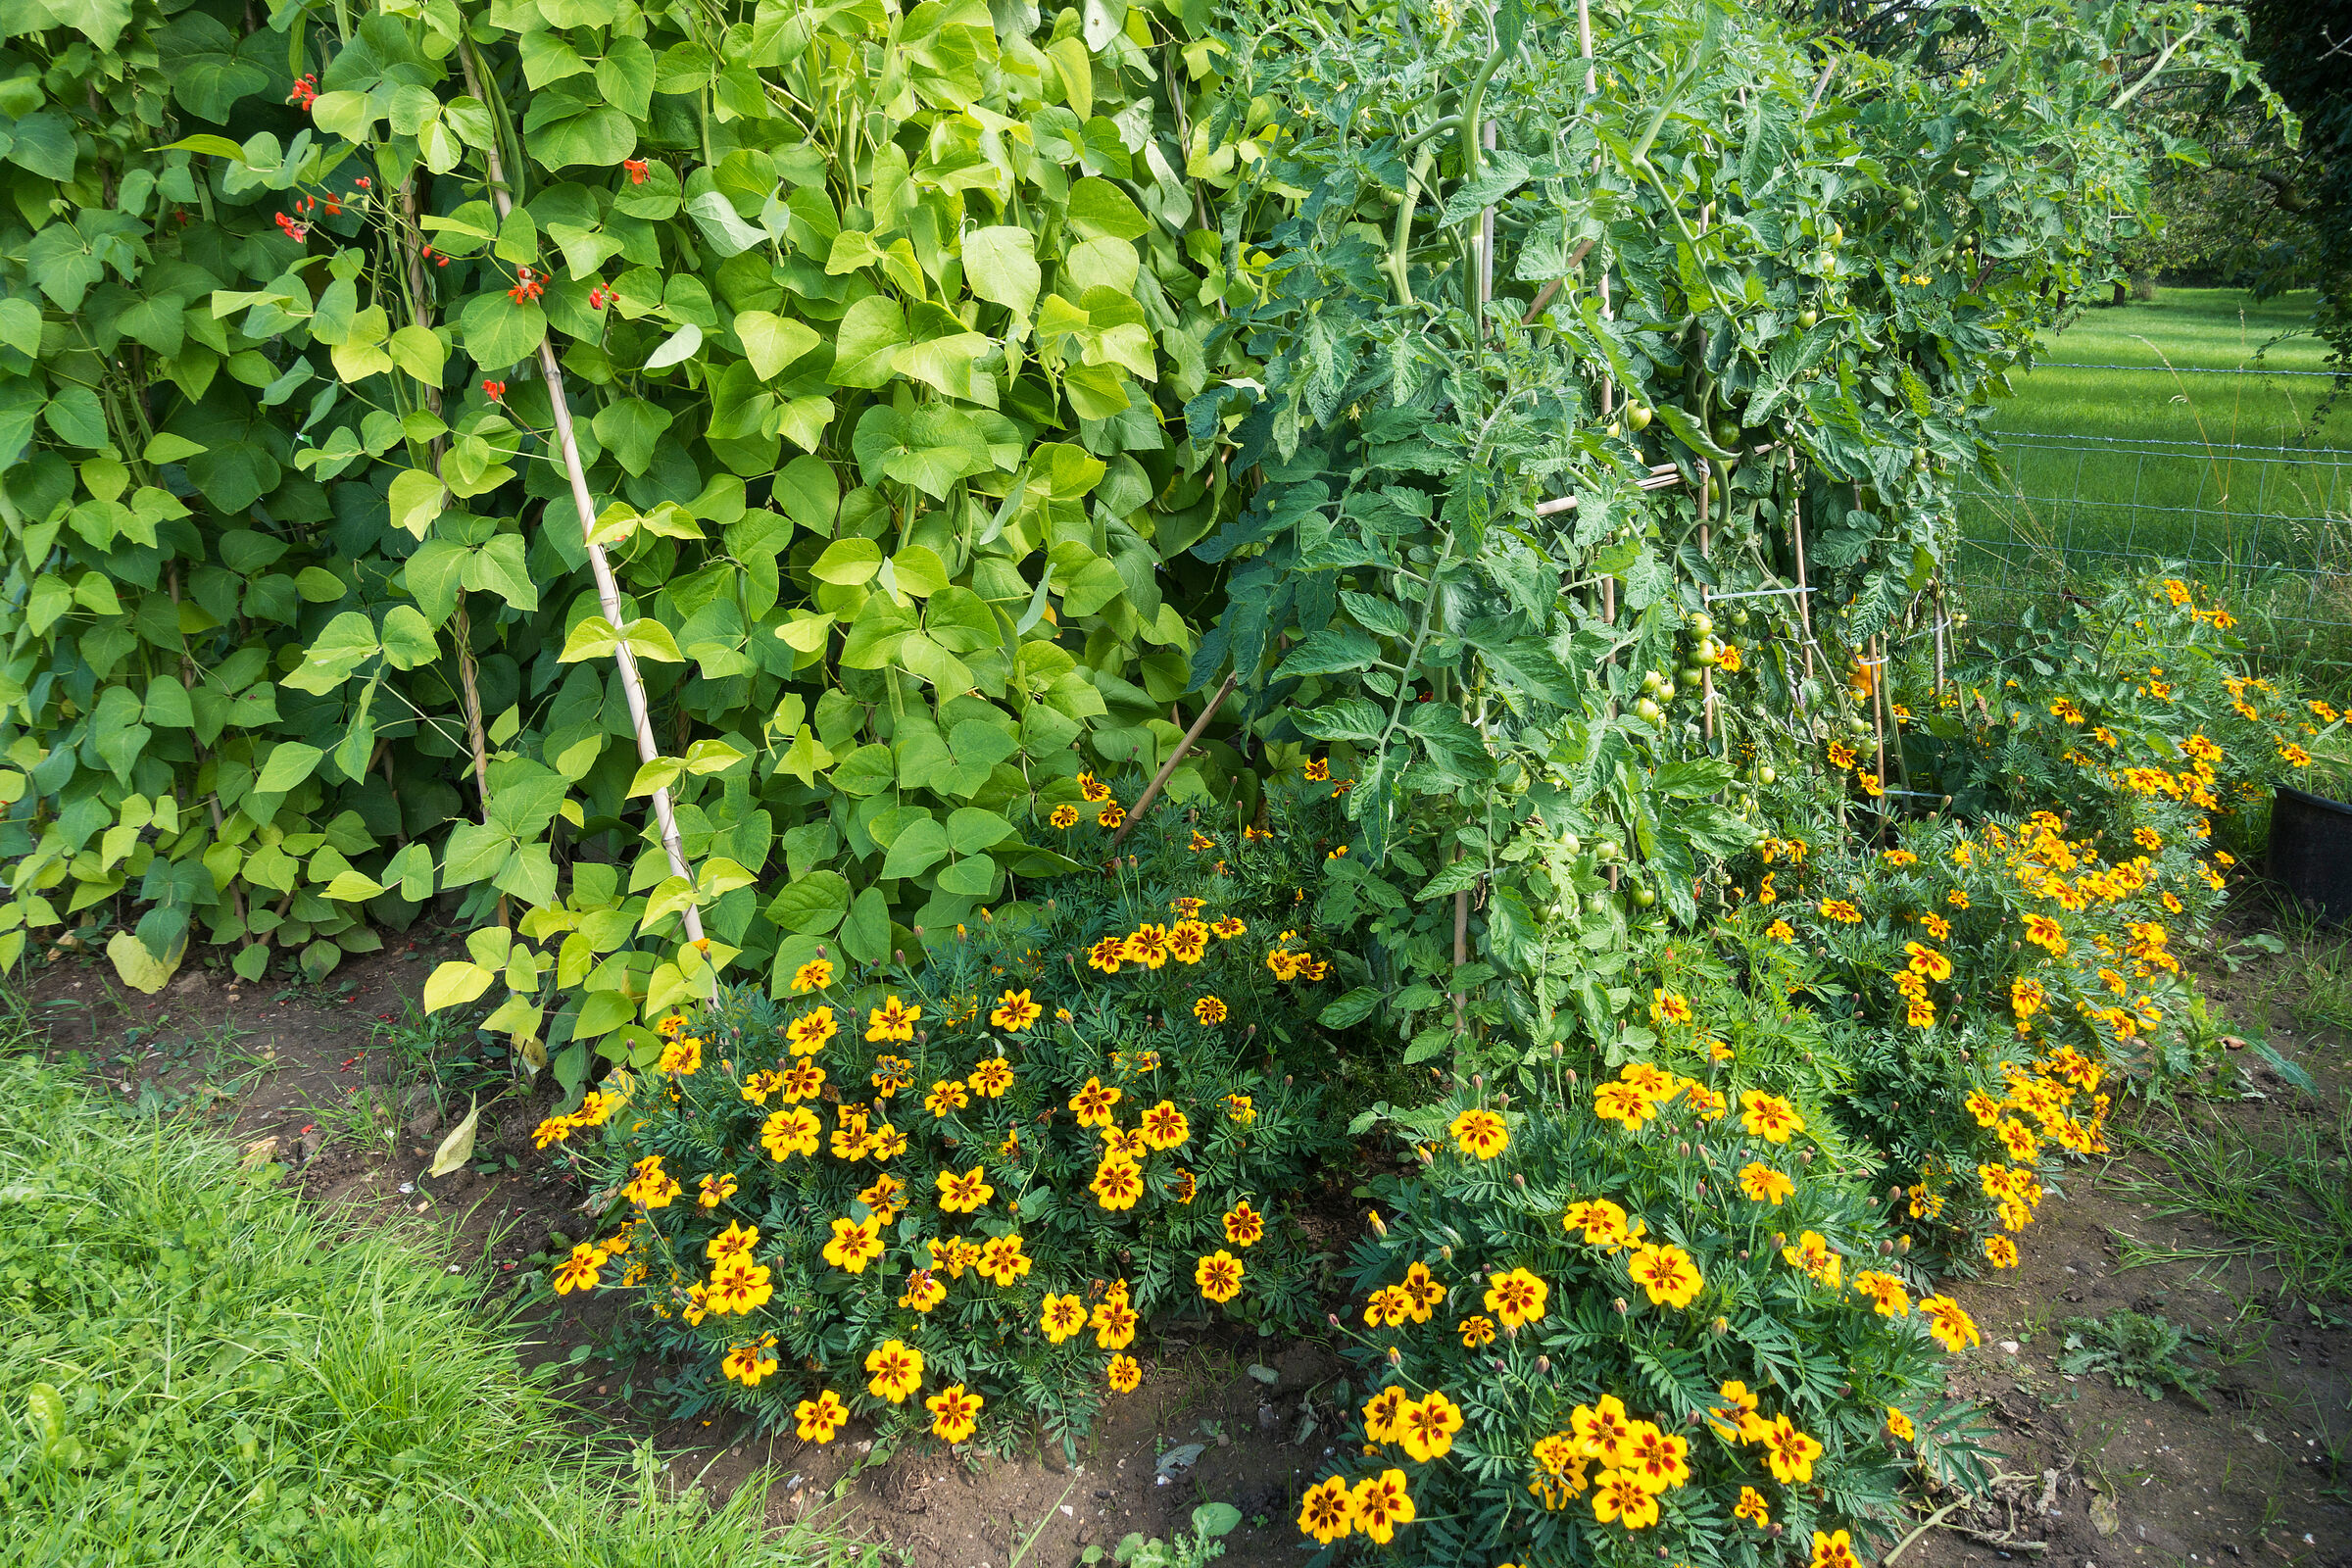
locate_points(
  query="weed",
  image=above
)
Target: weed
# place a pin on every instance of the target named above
(2147, 1354)
(1212, 1521)
(2286, 1193)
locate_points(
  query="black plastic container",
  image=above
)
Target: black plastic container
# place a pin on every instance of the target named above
(2311, 852)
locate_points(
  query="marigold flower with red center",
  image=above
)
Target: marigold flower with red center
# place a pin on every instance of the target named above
(817, 1420)
(1094, 1104)
(1886, 1291)
(1789, 1453)
(1124, 1374)
(954, 1413)
(1754, 1508)
(1426, 1426)
(1209, 1010)
(1951, 1326)
(1620, 1496)
(1477, 1331)
(1602, 1428)
(578, 1272)
(1832, 1552)
(1517, 1297)
(1666, 1274)
(896, 1368)
(1382, 1503)
(1768, 1116)
(1328, 1511)
(1657, 1459)
(1219, 1276)
(855, 1243)
(1764, 1184)
(1621, 1101)
(1165, 1127)
(1245, 1226)
(1014, 1011)
(946, 1097)
(1114, 1322)
(747, 1364)
(1480, 1133)
(807, 1034)
(2001, 1252)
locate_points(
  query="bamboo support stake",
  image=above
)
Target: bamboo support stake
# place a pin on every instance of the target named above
(1706, 551)
(1796, 536)
(608, 592)
(1167, 768)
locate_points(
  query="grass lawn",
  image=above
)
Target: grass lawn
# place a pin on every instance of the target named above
(195, 1368)
(2146, 460)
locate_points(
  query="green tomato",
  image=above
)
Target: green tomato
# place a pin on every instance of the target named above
(1807, 320)
(1766, 775)
(1692, 677)
(1649, 710)
(1910, 202)
(1703, 624)
(1613, 429)
(1710, 653)
(1637, 417)
(1597, 903)
(1740, 617)
(1608, 850)
(1645, 896)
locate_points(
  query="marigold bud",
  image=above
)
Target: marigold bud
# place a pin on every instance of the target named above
(1445, 1254)
(1395, 1357)
(1722, 1325)
(1885, 1248)
(1519, 1180)
(1683, 1149)
(1544, 1364)
(1622, 1309)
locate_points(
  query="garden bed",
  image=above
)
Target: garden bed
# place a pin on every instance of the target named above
(257, 1063)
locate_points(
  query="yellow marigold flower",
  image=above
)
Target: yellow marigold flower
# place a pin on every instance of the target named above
(1754, 1508)
(578, 1272)
(893, 1021)
(715, 1190)
(681, 1057)
(1188, 941)
(1789, 1453)
(1781, 931)
(1124, 1374)
(1094, 1104)
(1900, 1424)
(1328, 1511)
(947, 1096)
(1517, 1297)
(1111, 814)
(791, 1130)
(964, 1194)
(1480, 1133)
(747, 1364)
(1811, 1252)
(896, 1368)
(1241, 1108)
(855, 1243)
(1842, 911)
(992, 1077)
(1003, 1260)
(1107, 955)
(954, 1413)
(648, 1186)
(1666, 1274)
(2001, 1252)
(737, 1285)
(1622, 1101)
(1382, 1503)
(1603, 1221)
(1621, 1498)
(1834, 1550)
(1764, 1184)
(1426, 1426)
(1165, 1127)
(1065, 817)
(1228, 928)
(1118, 1182)
(1952, 1327)
(1477, 1331)
(1114, 1322)
(807, 1034)
(553, 1130)
(1014, 1011)
(817, 1420)
(1656, 1460)
(1062, 1317)
(1601, 1430)
(1886, 1291)
(923, 1290)
(1768, 1116)
(1219, 1276)
(1094, 789)
(1209, 1010)
(1316, 772)
(814, 975)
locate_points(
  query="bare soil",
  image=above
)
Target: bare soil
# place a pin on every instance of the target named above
(2094, 1476)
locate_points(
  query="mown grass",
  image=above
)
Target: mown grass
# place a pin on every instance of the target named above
(2113, 470)
(197, 1369)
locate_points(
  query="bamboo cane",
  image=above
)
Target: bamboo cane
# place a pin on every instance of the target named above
(608, 592)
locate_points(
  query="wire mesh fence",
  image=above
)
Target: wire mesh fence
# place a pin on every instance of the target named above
(2268, 524)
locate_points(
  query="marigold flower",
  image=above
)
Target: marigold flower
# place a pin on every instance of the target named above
(855, 1243)
(1118, 1182)
(1426, 1426)
(1517, 1297)
(1622, 1101)
(893, 1021)
(2001, 1252)
(814, 975)
(1328, 1510)
(1900, 1424)
(1014, 1011)
(817, 1420)
(1064, 817)
(1659, 1460)
(681, 1059)
(1603, 1221)
(963, 1194)
(1477, 1331)
(954, 1413)
(807, 1034)
(1382, 1502)
(1165, 1127)
(1833, 1551)
(1209, 1010)
(553, 1130)
(992, 1077)
(1111, 816)
(1666, 1274)
(1838, 909)
(578, 1272)
(648, 1186)
(747, 1364)
(1480, 1133)
(1620, 1496)
(737, 1285)
(1789, 1453)
(1764, 1184)
(1886, 1291)
(1754, 1508)
(1124, 1374)
(1003, 1260)
(896, 1368)
(1768, 1116)
(1094, 1104)
(1114, 1322)
(946, 1097)
(791, 1130)
(1245, 1226)
(1219, 1276)
(1062, 1317)
(1951, 1326)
